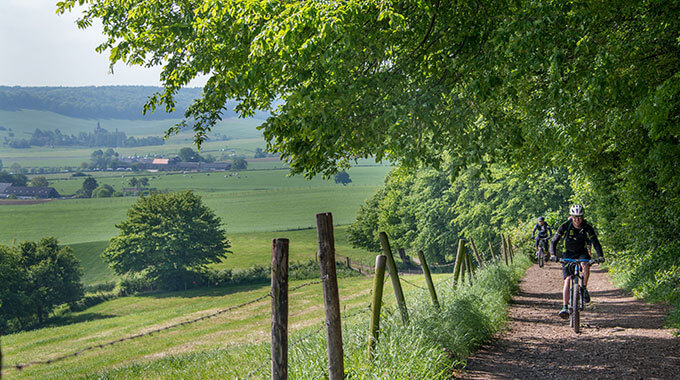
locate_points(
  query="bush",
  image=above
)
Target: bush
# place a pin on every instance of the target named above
(135, 283)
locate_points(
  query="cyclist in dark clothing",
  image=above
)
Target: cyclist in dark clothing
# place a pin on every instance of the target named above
(578, 234)
(544, 231)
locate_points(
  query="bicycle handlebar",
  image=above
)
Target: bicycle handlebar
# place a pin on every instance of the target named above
(596, 261)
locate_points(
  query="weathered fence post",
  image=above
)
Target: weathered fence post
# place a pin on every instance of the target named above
(324, 227)
(394, 274)
(279, 294)
(493, 254)
(474, 249)
(509, 247)
(459, 262)
(0, 354)
(504, 249)
(471, 267)
(428, 279)
(378, 280)
(349, 263)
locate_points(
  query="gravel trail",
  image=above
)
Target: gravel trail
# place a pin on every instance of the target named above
(621, 337)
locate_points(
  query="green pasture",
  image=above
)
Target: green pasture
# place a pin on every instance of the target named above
(36, 157)
(259, 201)
(235, 331)
(24, 122)
(248, 249)
(259, 180)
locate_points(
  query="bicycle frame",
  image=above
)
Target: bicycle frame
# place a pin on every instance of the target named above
(541, 251)
(576, 303)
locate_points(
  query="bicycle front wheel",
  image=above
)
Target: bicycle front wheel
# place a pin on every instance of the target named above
(541, 255)
(575, 302)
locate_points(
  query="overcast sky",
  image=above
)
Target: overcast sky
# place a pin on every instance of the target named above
(41, 48)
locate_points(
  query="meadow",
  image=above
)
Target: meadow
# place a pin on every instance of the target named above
(234, 343)
(254, 205)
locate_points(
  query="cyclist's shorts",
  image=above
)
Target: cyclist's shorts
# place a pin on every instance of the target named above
(567, 270)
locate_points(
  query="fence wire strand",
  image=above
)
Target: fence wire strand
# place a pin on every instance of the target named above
(148, 333)
(306, 337)
(410, 283)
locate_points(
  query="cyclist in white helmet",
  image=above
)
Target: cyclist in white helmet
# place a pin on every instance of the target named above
(578, 234)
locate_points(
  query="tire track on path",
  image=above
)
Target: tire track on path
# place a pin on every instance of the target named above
(621, 337)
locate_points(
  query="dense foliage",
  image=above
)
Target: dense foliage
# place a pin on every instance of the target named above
(167, 236)
(16, 179)
(427, 210)
(34, 278)
(590, 86)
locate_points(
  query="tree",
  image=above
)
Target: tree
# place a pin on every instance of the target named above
(54, 274)
(103, 191)
(39, 182)
(134, 182)
(14, 179)
(189, 155)
(16, 168)
(89, 184)
(144, 181)
(239, 163)
(13, 287)
(34, 278)
(167, 236)
(343, 178)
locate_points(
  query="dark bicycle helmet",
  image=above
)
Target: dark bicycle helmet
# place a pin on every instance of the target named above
(541, 219)
(576, 210)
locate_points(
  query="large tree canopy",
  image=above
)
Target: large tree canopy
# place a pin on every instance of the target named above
(166, 236)
(410, 79)
(590, 86)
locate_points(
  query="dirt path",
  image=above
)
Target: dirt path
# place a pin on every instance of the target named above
(621, 337)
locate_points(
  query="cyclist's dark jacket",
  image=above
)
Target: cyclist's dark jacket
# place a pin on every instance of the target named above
(575, 240)
(543, 231)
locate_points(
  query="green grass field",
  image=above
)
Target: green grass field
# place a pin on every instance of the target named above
(255, 207)
(24, 122)
(249, 248)
(238, 332)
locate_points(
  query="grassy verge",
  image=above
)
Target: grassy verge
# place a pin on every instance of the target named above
(234, 345)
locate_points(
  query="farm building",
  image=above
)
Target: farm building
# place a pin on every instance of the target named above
(27, 192)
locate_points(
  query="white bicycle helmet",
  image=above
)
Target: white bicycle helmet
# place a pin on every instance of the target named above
(576, 210)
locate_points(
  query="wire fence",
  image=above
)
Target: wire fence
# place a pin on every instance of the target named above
(151, 332)
(226, 310)
(360, 311)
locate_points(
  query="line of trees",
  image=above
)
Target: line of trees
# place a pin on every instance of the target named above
(34, 278)
(430, 209)
(99, 138)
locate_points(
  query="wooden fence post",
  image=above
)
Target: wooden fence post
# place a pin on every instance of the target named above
(394, 274)
(474, 249)
(428, 279)
(349, 263)
(471, 267)
(493, 254)
(374, 324)
(459, 261)
(509, 247)
(324, 227)
(504, 249)
(279, 309)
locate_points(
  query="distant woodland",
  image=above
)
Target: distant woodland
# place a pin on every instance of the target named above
(99, 138)
(106, 102)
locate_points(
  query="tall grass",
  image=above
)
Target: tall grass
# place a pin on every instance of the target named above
(428, 348)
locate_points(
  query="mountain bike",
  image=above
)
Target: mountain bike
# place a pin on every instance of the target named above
(541, 251)
(576, 303)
